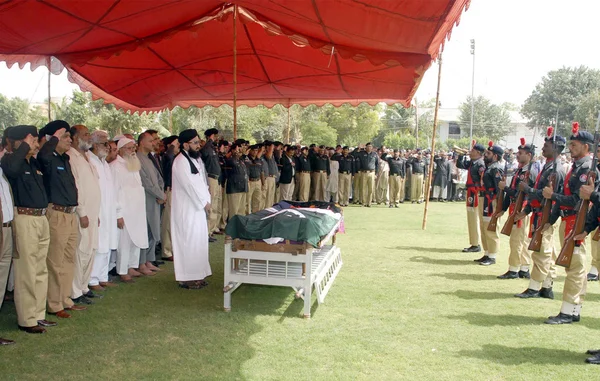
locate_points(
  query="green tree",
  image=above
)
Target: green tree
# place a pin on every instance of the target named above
(488, 119)
(587, 110)
(318, 133)
(561, 90)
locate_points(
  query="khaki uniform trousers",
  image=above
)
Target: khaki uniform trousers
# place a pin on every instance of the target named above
(344, 187)
(382, 188)
(31, 271)
(296, 186)
(165, 228)
(357, 190)
(543, 261)
(237, 204)
(254, 196)
(519, 255)
(215, 205)
(6, 254)
(576, 281)
(64, 237)
(319, 181)
(268, 191)
(286, 191)
(473, 223)
(416, 187)
(224, 208)
(595, 251)
(303, 186)
(489, 240)
(394, 188)
(368, 187)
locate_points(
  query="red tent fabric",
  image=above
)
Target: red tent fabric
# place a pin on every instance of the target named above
(149, 55)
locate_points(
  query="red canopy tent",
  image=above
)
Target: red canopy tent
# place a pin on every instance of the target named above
(150, 55)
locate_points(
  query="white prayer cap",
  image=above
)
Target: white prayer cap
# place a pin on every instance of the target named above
(123, 142)
(118, 137)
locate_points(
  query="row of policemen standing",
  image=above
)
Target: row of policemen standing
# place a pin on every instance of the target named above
(551, 184)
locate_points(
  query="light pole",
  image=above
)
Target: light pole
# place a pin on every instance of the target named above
(472, 91)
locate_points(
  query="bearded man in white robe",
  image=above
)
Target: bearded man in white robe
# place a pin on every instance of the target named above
(107, 231)
(189, 209)
(131, 210)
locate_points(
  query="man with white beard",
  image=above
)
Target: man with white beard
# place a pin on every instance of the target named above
(190, 205)
(131, 210)
(107, 231)
(88, 210)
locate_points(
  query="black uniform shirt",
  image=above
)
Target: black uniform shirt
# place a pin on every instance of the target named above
(320, 163)
(369, 161)
(346, 164)
(237, 178)
(397, 166)
(58, 177)
(417, 166)
(302, 163)
(25, 178)
(475, 168)
(512, 190)
(254, 167)
(210, 157)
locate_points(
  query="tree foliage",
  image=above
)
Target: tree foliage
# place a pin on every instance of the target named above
(488, 119)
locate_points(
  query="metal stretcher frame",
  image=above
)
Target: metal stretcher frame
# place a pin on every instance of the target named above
(299, 266)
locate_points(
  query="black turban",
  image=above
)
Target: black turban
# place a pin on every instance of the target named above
(187, 135)
(211, 131)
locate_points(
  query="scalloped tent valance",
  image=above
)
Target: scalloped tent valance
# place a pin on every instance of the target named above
(150, 55)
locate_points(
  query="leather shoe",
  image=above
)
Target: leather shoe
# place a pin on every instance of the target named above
(75, 307)
(593, 360)
(211, 239)
(6, 341)
(508, 275)
(34, 329)
(158, 263)
(472, 249)
(593, 352)
(60, 314)
(524, 274)
(488, 262)
(592, 277)
(481, 259)
(90, 294)
(546, 293)
(529, 293)
(169, 259)
(83, 300)
(96, 288)
(560, 319)
(46, 323)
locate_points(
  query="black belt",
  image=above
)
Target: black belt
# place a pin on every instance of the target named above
(304, 171)
(320, 171)
(567, 212)
(368, 170)
(254, 179)
(216, 177)
(7, 224)
(345, 172)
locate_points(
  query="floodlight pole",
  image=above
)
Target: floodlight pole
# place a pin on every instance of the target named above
(472, 92)
(435, 125)
(235, 13)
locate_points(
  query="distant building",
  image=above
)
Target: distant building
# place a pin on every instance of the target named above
(450, 128)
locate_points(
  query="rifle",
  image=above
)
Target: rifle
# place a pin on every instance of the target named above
(536, 239)
(566, 253)
(510, 221)
(499, 201)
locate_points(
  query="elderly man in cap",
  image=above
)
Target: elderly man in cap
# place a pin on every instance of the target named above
(31, 229)
(131, 210)
(172, 149)
(63, 200)
(107, 229)
(153, 184)
(191, 203)
(88, 210)
(210, 157)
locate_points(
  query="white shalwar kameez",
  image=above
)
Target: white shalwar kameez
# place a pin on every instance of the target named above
(107, 231)
(131, 206)
(189, 229)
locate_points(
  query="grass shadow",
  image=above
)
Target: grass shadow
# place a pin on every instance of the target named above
(435, 261)
(486, 320)
(465, 276)
(525, 355)
(425, 249)
(478, 295)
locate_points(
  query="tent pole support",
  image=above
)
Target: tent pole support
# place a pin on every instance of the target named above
(288, 124)
(49, 93)
(435, 125)
(235, 13)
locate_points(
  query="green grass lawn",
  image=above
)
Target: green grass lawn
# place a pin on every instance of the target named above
(407, 304)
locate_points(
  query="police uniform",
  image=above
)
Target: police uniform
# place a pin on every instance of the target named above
(490, 240)
(543, 271)
(416, 179)
(237, 186)
(474, 199)
(270, 185)
(358, 176)
(519, 258)
(369, 164)
(255, 177)
(210, 157)
(346, 171)
(303, 171)
(397, 179)
(320, 172)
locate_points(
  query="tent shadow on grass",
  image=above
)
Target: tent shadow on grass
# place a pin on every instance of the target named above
(435, 261)
(464, 276)
(478, 295)
(425, 249)
(526, 355)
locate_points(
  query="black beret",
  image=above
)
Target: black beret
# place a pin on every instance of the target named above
(321, 147)
(368, 144)
(304, 148)
(170, 139)
(253, 146)
(211, 131)
(495, 149)
(7, 131)
(396, 150)
(346, 147)
(268, 143)
(21, 132)
(559, 140)
(291, 148)
(584, 137)
(55, 125)
(187, 135)
(478, 147)
(240, 141)
(313, 145)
